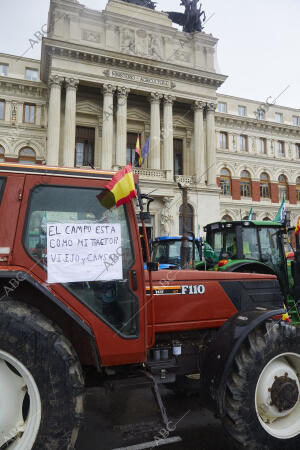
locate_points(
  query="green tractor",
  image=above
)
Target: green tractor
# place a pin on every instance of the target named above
(257, 247)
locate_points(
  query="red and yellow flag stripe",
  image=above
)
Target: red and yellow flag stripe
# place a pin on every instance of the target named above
(122, 186)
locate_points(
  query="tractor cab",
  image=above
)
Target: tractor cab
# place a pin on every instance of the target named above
(249, 246)
(166, 251)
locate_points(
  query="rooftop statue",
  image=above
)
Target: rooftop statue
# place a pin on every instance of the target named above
(145, 3)
(193, 17)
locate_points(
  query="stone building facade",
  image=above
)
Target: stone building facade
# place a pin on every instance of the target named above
(106, 78)
(258, 158)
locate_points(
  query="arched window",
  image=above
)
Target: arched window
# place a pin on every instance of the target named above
(266, 219)
(283, 187)
(2, 154)
(298, 189)
(225, 182)
(189, 224)
(264, 185)
(245, 184)
(27, 156)
(226, 218)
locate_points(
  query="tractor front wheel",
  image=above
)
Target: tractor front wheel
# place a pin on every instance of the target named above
(263, 391)
(41, 384)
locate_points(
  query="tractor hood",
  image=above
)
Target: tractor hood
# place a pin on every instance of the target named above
(189, 299)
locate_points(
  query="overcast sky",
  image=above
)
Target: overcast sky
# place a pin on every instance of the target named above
(258, 41)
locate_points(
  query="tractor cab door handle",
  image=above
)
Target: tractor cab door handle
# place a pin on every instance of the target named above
(134, 280)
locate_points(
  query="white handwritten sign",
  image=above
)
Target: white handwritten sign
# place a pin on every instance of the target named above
(83, 252)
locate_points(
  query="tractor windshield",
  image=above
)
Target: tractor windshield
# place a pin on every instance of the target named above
(224, 243)
(168, 252)
(250, 243)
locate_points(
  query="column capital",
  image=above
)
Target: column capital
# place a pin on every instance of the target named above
(71, 83)
(211, 107)
(122, 91)
(55, 80)
(169, 99)
(109, 89)
(198, 105)
(155, 97)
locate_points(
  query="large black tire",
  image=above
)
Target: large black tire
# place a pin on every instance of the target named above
(241, 420)
(51, 360)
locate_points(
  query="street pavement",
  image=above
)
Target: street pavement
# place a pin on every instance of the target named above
(129, 420)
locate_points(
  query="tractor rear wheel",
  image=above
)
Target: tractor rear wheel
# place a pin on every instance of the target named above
(263, 391)
(41, 384)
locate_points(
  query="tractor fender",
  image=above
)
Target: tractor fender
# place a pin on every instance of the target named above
(12, 280)
(220, 355)
(21, 276)
(251, 267)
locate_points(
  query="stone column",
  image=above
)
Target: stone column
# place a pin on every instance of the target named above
(70, 123)
(211, 144)
(168, 156)
(55, 83)
(121, 140)
(154, 155)
(107, 126)
(199, 149)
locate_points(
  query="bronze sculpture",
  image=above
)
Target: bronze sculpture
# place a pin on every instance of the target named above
(145, 3)
(191, 19)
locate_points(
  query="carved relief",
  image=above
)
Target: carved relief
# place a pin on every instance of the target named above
(141, 43)
(128, 41)
(155, 47)
(180, 55)
(166, 215)
(91, 36)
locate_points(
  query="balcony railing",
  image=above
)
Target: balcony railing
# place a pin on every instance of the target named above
(150, 173)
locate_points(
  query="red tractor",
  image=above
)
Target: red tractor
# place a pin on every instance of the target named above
(75, 299)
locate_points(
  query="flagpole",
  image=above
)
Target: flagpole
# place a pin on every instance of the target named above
(148, 258)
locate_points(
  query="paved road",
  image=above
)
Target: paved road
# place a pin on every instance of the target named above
(130, 418)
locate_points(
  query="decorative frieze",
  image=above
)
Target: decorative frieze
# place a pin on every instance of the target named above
(214, 80)
(92, 36)
(136, 78)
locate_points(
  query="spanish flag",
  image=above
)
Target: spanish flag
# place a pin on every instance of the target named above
(121, 187)
(297, 230)
(138, 151)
